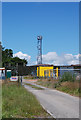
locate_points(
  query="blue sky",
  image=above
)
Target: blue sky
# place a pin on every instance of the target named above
(58, 23)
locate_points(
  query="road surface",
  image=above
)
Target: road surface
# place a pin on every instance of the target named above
(59, 104)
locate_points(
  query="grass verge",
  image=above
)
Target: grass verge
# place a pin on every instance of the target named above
(72, 88)
(19, 103)
(33, 86)
(29, 77)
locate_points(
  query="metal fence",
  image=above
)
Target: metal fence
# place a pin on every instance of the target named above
(60, 72)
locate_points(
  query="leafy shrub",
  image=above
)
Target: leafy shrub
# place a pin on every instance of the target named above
(67, 76)
(49, 79)
(57, 84)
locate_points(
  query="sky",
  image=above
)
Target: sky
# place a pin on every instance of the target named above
(57, 22)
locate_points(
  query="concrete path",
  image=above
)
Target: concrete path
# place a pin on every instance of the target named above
(59, 104)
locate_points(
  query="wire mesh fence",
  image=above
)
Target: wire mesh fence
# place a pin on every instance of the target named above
(59, 73)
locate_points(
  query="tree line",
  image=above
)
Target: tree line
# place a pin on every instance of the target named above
(9, 62)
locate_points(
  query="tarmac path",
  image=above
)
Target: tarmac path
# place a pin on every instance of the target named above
(58, 104)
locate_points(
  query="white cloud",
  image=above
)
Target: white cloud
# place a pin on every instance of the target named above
(22, 56)
(65, 59)
(52, 58)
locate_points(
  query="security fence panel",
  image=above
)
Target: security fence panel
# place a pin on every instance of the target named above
(60, 73)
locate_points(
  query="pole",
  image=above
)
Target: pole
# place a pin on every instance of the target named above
(21, 80)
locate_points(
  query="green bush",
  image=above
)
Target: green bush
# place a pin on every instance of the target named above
(67, 76)
(57, 85)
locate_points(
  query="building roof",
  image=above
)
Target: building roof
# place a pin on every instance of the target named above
(77, 65)
(2, 68)
(42, 65)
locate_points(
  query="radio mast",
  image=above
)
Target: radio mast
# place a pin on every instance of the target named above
(39, 47)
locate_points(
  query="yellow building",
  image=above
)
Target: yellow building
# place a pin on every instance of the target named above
(43, 71)
(46, 70)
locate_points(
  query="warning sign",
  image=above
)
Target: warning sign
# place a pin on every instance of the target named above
(14, 78)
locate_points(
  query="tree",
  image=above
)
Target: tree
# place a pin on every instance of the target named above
(8, 61)
(16, 60)
(7, 54)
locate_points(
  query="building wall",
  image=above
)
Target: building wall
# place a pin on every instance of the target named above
(54, 71)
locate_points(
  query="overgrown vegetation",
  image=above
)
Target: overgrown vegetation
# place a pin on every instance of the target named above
(71, 88)
(33, 86)
(67, 76)
(19, 103)
(29, 77)
(67, 83)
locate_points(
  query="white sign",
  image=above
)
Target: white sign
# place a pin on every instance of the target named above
(14, 78)
(8, 70)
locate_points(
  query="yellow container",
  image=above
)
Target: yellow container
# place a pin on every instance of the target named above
(42, 69)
